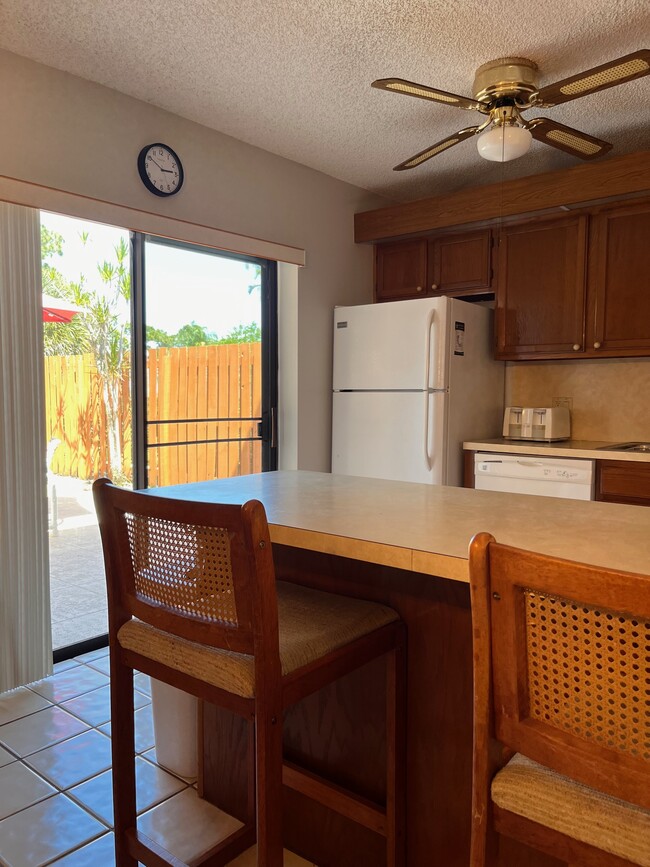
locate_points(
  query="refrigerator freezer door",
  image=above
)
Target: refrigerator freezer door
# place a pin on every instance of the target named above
(382, 435)
(397, 346)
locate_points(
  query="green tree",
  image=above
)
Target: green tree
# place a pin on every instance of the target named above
(108, 336)
(194, 335)
(250, 333)
(99, 329)
(257, 277)
(59, 338)
(198, 335)
(156, 337)
(189, 335)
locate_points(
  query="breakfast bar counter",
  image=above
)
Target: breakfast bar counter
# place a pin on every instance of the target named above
(427, 528)
(404, 545)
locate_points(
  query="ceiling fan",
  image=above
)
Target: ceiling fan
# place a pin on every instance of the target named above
(503, 89)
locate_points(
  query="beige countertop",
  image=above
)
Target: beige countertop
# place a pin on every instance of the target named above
(563, 449)
(427, 528)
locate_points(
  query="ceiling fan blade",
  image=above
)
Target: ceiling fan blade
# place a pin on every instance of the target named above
(610, 74)
(437, 148)
(580, 144)
(399, 85)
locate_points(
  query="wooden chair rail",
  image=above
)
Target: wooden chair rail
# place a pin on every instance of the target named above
(311, 678)
(336, 798)
(553, 843)
(199, 688)
(142, 847)
(226, 851)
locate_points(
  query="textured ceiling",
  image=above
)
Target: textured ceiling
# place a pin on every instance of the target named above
(293, 76)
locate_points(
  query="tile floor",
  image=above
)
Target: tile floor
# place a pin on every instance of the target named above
(55, 777)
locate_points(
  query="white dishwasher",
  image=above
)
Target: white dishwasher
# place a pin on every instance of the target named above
(571, 478)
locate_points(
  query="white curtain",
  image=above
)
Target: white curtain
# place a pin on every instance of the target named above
(25, 631)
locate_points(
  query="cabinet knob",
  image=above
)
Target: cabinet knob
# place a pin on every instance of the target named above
(597, 344)
(418, 288)
(434, 286)
(576, 347)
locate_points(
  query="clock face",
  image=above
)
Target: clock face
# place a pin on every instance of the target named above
(160, 169)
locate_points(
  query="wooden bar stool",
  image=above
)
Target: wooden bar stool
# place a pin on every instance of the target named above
(193, 601)
(561, 708)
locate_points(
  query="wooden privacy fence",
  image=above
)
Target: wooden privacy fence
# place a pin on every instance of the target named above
(208, 383)
(195, 395)
(75, 414)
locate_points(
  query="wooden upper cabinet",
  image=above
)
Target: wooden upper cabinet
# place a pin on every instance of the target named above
(460, 264)
(541, 289)
(401, 270)
(619, 281)
(576, 286)
(446, 264)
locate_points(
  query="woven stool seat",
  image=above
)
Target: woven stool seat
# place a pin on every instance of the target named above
(541, 795)
(311, 625)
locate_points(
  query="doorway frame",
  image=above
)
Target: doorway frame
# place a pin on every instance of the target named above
(269, 328)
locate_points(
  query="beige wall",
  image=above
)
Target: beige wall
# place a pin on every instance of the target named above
(64, 132)
(611, 397)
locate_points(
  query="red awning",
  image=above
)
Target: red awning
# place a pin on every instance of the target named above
(59, 310)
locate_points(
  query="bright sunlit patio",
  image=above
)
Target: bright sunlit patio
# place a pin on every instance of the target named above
(78, 591)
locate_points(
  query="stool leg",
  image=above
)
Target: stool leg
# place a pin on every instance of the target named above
(123, 754)
(268, 755)
(396, 754)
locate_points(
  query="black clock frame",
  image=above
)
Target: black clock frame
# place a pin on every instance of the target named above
(142, 170)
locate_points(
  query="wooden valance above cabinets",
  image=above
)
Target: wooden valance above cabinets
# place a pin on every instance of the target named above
(569, 268)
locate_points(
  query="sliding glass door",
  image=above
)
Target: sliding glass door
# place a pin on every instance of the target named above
(86, 276)
(160, 369)
(205, 363)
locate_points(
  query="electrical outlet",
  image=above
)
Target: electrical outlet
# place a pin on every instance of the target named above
(564, 401)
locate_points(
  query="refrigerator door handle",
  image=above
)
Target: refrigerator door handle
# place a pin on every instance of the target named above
(427, 388)
(427, 350)
(427, 457)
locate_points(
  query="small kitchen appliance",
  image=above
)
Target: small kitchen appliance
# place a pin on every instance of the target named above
(541, 424)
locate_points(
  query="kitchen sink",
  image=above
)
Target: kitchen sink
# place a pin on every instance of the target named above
(627, 447)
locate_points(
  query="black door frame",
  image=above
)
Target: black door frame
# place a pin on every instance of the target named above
(268, 425)
(269, 327)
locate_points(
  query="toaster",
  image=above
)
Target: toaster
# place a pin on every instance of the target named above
(543, 424)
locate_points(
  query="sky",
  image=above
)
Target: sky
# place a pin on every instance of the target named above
(182, 286)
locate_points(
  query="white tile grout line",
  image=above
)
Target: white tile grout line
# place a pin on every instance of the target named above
(66, 791)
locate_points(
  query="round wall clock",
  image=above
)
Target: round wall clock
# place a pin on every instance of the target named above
(160, 169)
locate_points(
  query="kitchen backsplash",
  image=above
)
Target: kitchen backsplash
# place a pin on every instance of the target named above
(611, 397)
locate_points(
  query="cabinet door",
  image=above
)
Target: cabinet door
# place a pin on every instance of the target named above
(623, 482)
(401, 270)
(619, 313)
(460, 264)
(541, 289)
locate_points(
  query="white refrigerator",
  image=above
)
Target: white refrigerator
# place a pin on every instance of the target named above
(411, 381)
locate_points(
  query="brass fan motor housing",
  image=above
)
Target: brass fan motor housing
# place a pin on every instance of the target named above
(513, 77)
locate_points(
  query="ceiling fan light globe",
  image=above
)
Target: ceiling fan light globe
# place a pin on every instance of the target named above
(504, 143)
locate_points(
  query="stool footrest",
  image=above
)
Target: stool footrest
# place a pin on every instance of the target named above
(337, 798)
(153, 854)
(149, 852)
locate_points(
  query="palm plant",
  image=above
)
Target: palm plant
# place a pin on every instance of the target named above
(102, 329)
